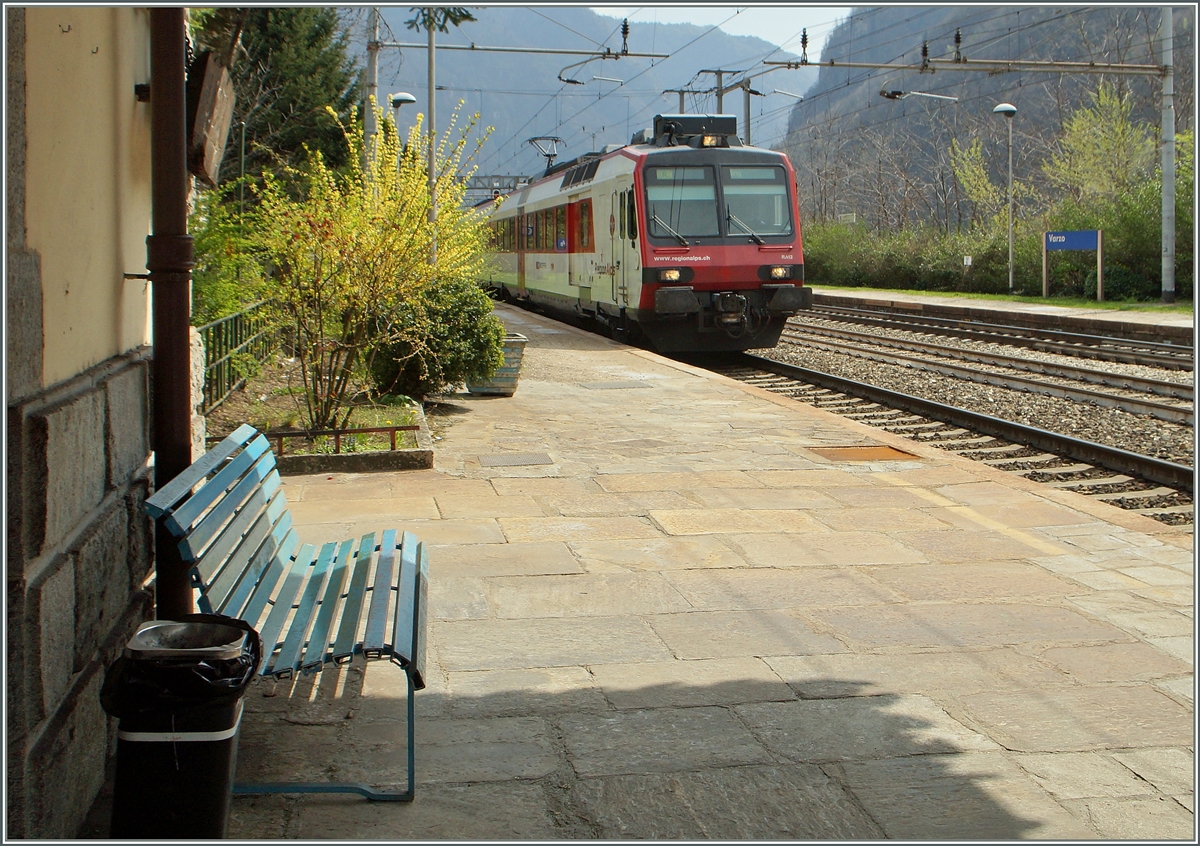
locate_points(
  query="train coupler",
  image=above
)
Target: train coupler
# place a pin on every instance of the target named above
(729, 310)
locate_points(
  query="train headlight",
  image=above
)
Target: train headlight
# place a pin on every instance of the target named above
(671, 274)
(710, 141)
(781, 271)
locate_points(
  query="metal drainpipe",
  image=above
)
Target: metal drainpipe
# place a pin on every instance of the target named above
(170, 260)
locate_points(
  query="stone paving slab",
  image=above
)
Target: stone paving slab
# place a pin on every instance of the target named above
(860, 727)
(1081, 719)
(657, 740)
(976, 796)
(587, 595)
(692, 625)
(969, 626)
(690, 683)
(937, 675)
(822, 549)
(724, 634)
(681, 553)
(797, 802)
(561, 642)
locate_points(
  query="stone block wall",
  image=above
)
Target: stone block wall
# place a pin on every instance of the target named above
(80, 551)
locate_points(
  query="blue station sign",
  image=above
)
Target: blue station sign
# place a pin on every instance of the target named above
(1084, 239)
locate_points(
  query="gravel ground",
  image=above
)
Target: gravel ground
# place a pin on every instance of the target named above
(1135, 433)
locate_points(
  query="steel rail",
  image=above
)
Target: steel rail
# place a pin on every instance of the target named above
(1178, 476)
(1157, 410)
(1159, 387)
(1067, 343)
(1004, 328)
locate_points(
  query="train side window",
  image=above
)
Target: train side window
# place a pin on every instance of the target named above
(585, 226)
(632, 224)
(560, 229)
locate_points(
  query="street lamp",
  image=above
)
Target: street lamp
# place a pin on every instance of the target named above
(1008, 110)
(399, 99)
(900, 95)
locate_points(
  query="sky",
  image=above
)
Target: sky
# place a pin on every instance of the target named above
(777, 24)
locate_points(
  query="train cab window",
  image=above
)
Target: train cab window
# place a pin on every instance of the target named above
(758, 197)
(681, 201)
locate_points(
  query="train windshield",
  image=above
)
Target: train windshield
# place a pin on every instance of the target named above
(757, 196)
(681, 202)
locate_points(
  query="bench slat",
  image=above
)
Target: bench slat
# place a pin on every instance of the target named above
(417, 668)
(280, 563)
(407, 646)
(246, 495)
(343, 647)
(288, 659)
(159, 504)
(406, 595)
(283, 602)
(250, 559)
(240, 537)
(182, 517)
(318, 639)
(381, 593)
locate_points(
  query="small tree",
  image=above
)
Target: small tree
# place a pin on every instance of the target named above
(349, 252)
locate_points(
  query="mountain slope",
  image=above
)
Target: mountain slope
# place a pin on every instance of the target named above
(521, 95)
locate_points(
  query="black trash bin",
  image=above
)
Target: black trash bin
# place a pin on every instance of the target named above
(177, 692)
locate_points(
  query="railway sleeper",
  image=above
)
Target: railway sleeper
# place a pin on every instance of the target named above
(921, 425)
(1124, 496)
(1077, 477)
(1022, 462)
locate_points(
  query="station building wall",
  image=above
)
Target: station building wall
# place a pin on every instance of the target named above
(78, 549)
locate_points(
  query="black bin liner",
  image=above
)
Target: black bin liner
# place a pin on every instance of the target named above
(177, 693)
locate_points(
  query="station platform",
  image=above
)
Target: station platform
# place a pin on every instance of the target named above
(1153, 324)
(664, 604)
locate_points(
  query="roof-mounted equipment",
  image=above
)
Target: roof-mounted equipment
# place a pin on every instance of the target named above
(696, 131)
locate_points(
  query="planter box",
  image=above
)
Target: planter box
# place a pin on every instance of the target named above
(420, 458)
(504, 382)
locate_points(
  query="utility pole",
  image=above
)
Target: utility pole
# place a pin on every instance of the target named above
(372, 74)
(432, 153)
(680, 92)
(1166, 27)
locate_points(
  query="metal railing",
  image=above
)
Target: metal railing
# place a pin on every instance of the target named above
(228, 343)
(278, 435)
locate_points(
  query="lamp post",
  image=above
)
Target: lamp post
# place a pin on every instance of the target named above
(1008, 110)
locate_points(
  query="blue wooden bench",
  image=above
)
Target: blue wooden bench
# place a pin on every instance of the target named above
(312, 606)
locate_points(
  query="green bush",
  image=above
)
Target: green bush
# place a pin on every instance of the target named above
(452, 336)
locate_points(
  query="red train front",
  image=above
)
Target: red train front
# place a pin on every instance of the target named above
(702, 250)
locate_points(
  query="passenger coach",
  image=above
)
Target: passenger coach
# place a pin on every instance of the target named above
(684, 235)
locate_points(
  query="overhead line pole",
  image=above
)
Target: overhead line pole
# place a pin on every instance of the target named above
(1166, 24)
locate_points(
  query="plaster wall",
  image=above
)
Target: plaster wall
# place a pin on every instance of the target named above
(78, 548)
(87, 207)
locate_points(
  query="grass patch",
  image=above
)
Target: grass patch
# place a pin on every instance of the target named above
(274, 399)
(1178, 307)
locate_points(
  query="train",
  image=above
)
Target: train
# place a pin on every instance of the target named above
(684, 237)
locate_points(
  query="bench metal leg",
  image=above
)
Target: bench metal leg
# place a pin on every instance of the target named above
(371, 793)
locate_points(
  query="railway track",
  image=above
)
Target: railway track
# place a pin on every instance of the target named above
(1103, 348)
(1151, 486)
(1128, 393)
